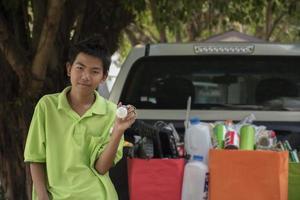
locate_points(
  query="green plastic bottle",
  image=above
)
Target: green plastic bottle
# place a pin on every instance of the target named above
(220, 131)
(247, 137)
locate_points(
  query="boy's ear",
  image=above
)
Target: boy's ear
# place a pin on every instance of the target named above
(104, 77)
(68, 67)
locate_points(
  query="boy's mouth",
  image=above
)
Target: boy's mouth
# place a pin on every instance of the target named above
(83, 84)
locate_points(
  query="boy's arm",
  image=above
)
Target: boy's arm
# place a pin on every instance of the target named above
(106, 158)
(39, 180)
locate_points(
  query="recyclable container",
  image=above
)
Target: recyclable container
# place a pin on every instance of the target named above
(197, 140)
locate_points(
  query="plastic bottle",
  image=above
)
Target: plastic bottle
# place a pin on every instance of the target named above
(266, 140)
(148, 147)
(247, 137)
(232, 138)
(195, 180)
(121, 112)
(219, 134)
(197, 140)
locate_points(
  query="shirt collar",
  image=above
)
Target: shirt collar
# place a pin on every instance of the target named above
(99, 106)
(62, 99)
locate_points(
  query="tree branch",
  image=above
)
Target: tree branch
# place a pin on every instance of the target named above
(151, 35)
(273, 26)
(13, 53)
(26, 23)
(268, 18)
(195, 25)
(131, 37)
(39, 9)
(47, 37)
(68, 22)
(73, 17)
(279, 18)
(161, 28)
(191, 31)
(178, 35)
(137, 35)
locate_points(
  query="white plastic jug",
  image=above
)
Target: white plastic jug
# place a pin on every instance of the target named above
(195, 180)
(197, 139)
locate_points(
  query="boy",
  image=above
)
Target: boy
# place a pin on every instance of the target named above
(74, 137)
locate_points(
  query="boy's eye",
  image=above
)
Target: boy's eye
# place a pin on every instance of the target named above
(78, 67)
(96, 72)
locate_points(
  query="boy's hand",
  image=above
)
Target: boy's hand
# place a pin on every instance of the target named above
(122, 124)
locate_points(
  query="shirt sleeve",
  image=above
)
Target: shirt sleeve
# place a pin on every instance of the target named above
(119, 153)
(99, 148)
(35, 148)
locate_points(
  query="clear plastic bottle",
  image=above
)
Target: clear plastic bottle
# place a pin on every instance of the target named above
(197, 139)
(148, 147)
(195, 180)
(266, 140)
(121, 112)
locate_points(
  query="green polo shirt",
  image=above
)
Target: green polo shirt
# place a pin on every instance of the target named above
(69, 146)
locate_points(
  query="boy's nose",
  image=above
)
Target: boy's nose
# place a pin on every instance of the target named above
(85, 76)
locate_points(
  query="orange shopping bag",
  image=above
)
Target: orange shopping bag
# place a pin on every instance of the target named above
(248, 175)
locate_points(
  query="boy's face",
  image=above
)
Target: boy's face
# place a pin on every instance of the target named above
(86, 73)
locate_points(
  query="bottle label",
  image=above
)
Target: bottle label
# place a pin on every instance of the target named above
(232, 140)
(205, 189)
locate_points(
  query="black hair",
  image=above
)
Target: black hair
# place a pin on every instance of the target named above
(94, 46)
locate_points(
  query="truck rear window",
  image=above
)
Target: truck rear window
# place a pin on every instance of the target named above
(214, 82)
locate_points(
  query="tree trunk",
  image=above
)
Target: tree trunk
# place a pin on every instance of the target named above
(268, 19)
(45, 45)
(12, 172)
(12, 134)
(30, 69)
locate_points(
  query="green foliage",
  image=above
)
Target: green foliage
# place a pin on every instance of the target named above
(209, 17)
(135, 7)
(196, 20)
(125, 47)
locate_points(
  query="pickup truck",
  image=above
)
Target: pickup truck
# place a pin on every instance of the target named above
(224, 81)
